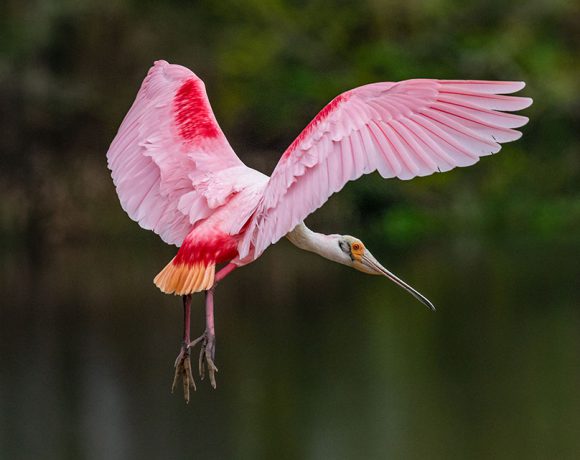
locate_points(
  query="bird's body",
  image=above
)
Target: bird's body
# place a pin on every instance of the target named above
(213, 241)
(177, 175)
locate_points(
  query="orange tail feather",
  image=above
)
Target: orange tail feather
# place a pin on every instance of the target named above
(183, 278)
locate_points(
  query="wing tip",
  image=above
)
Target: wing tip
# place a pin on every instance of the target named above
(516, 135)
(523, 121)
(172, 71)
(510, 86)
(526, 102)
(518, 85)
(487, 86)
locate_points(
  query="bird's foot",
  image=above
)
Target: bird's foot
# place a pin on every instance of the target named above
(183, 363)
(206, 356)
(183, 370)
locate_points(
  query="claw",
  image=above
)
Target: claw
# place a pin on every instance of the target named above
(212, 369)
(183, 370)
(183, 364)
(206, 357)
(209, 352)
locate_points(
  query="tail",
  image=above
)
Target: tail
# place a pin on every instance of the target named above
(184, 278)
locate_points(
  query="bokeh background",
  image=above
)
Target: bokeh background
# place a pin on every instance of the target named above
(316, 361)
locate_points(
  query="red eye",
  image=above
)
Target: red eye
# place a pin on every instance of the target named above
(356, 246)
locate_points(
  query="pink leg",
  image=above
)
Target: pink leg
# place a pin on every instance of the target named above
(224, 272)
(186, 317)
(183, 362)
(207, 352)
(207, 339)
(209, 325)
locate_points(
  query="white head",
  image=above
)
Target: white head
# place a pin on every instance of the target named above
(347, 250)
(351, 251)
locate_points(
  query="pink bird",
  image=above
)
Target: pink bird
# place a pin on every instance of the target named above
(176, 174)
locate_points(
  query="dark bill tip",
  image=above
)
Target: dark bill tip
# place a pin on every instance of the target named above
(372, 263)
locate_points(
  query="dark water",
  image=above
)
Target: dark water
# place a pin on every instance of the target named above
(316, 361)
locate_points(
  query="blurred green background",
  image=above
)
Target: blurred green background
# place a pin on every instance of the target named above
(316, 361)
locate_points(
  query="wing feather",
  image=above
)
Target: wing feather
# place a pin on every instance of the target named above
(406, 129)
(171, 163)
(383, 166)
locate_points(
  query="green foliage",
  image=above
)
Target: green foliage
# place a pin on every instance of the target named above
(69, 71)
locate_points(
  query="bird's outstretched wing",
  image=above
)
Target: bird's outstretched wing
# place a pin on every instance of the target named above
(170, 161)
(406, 129)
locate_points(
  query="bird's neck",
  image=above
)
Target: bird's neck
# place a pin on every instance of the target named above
(323, 245)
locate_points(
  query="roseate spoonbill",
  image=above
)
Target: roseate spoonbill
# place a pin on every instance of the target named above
(176, 174)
